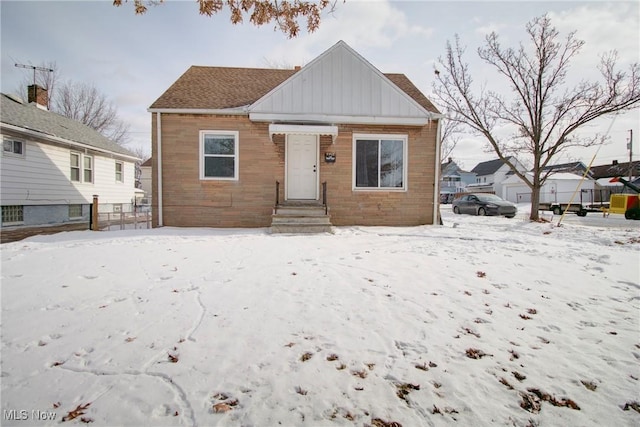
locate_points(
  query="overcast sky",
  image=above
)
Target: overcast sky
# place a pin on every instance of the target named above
(134, 59)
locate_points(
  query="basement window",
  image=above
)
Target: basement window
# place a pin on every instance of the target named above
(12, 215)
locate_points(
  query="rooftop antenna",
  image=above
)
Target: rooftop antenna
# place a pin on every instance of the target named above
(34, 68)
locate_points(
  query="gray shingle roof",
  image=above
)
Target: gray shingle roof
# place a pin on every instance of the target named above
(615, 169)
(48, 123)
(232, 87)
(487, 168)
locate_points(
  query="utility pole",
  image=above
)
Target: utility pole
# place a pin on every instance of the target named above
(630, 147)
(34, 68)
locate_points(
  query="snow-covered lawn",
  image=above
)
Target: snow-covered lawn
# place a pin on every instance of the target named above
(483, 321)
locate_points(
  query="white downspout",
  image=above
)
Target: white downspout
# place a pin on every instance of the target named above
(159, 163)
(436, 186)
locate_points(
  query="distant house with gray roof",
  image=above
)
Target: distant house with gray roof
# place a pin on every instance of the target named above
(491, 174)
(52, 166)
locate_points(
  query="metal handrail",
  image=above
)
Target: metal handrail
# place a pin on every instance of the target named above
(324, 197)
(275, 209)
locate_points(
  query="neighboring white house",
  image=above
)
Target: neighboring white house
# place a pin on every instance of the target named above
(491, 174)
(558, 188)
(145, 181)
(52, 166)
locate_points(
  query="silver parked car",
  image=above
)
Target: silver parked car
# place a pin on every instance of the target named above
(484, 204)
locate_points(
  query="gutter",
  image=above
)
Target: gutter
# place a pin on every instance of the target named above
(159, 164)
(436, 184)
(39, 134)
(241, 111)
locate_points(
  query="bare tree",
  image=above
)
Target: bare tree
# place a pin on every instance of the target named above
(449, 137)
(285, 13)
(84, 103)
(78, 101)
(545, 112)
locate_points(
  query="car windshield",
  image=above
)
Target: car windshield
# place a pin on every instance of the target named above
(489, 197)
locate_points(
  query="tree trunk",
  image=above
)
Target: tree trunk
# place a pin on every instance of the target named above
(535, 193)
(535, 203)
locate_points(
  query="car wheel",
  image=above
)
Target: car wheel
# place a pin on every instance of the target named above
(482, 212)
(557, 211)
(456, 210)
(509, 216)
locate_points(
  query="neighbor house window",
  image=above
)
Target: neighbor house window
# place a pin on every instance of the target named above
(87, 168)
(75, 211)
(119, 172)
(12, 215)
(219, 155)
(13, 146)
(379, 161)
(75, 167)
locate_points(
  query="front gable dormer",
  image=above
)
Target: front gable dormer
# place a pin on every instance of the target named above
(339, 86)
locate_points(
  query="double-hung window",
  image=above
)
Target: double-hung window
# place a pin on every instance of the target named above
(119, 172)
(81, 168)
(379, 162)
(75, 167)
(218, 155)
(88, 168)
(13, 146)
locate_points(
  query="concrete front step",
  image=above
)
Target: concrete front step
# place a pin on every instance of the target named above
(301, 228)
(300, 210)
(300, 219)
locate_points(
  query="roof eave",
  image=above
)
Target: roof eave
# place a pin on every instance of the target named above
(58, 139)
(241, 111)
(340, 119)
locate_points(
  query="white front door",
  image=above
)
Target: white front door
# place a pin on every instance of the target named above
(302, 167)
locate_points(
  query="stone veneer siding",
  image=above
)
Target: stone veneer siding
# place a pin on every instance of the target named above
(249, 201)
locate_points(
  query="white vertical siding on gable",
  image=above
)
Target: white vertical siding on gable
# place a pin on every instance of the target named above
(340, 83)
(42, 177)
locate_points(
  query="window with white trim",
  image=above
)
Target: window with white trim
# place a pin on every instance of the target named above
(218, 155)
(379, 162)
(13, 146)
(75, 167)
(87, 169)
(12, 214)
(119, 172)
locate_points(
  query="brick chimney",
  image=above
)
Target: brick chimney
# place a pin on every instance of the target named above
(38, 94)
(615, 162)
(297, 68)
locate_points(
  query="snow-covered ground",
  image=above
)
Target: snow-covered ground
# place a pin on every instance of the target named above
(482, 321)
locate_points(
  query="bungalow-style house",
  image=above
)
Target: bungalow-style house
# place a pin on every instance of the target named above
(453, 180)
(52, 166)
(338, 139)
(490, 174)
